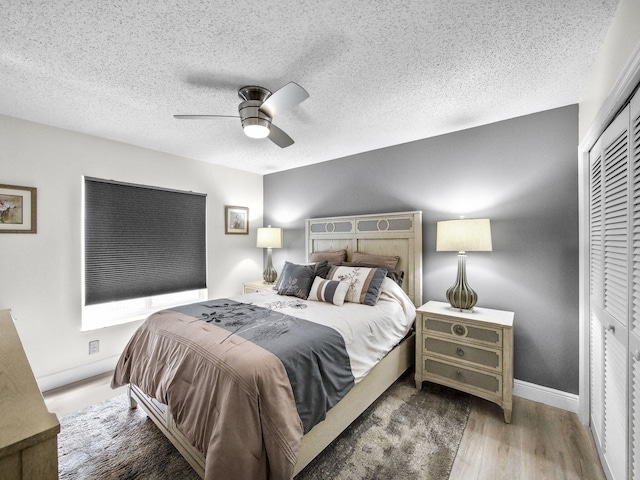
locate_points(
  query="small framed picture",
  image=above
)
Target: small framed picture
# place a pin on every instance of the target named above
(17, 209)
(236, 220)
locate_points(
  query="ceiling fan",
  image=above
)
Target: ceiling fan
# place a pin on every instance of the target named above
(257, 109)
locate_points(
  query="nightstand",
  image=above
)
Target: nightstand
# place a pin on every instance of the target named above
(468, 351)
(256, 286)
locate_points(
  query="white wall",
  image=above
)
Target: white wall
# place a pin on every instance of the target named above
(41, 274)
(622, 40)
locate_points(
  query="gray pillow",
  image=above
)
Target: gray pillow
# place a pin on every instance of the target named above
(296, 280)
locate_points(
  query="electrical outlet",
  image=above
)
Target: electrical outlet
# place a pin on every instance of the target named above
(94, 346)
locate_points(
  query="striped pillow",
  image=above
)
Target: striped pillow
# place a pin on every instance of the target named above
(330, 291)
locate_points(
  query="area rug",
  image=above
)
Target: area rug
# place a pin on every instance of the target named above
(405, 434)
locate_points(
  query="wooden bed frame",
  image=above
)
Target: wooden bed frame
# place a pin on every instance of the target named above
(381, 234)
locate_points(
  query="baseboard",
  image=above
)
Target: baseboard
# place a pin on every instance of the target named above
(66, 377)
(548, 396)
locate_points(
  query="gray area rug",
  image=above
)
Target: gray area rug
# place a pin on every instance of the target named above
(405, 434)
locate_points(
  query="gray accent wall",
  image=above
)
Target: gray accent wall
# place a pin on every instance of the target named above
(521, 173)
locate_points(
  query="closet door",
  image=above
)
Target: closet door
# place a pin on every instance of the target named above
(634, 321)
(596, 291)
(609, 272)
(615, 401)
(634, 407)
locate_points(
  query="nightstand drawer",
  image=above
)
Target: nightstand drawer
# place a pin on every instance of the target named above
(464, 353)
(460, 329)
(491, 384)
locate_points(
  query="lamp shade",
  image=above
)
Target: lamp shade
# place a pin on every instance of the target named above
(269, 237)
(464, 235)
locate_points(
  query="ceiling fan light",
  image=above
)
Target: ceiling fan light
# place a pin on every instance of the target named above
(256, 131)
(254, 123)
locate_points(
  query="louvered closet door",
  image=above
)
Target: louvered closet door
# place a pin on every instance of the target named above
(634, 321)
(596, 290)
(597, 376)
(634, 407)
(615, 144)
(616, 222)
(609, 291)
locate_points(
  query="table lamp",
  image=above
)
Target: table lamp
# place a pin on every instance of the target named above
(269, 238)
(464, 235)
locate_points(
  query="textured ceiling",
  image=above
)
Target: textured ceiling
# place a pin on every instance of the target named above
(379, 73)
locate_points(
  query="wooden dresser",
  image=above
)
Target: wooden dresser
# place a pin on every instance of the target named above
(28, 432)
(468, 351)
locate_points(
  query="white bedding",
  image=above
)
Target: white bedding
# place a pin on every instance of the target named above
(369, 332)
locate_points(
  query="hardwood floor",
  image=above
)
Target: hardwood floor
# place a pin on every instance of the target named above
(541, 443)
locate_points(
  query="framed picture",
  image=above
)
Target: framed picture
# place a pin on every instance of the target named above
(17, 209)
(236, 220)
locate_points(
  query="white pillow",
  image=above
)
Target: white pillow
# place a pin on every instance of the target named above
(330, 291)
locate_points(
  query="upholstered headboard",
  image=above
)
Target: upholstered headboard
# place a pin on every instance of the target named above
(397, 234)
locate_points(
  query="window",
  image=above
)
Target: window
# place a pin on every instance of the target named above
(144, 249)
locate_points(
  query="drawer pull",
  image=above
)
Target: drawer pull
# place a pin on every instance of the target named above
(460, 352)
(459, 330)
(636, 355)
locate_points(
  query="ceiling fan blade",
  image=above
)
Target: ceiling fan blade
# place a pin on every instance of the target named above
(284, 99)
(203, 117)
(280, 138)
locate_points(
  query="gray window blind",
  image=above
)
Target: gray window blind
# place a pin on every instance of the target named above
(142, 241)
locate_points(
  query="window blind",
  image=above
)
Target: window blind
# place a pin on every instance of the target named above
(142, 241)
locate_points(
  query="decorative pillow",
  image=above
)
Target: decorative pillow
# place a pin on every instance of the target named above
(330, 291)
(296, 279)
(364, 283)
(393, 273)
(383, 261)
(332, 257)
(320, 268)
